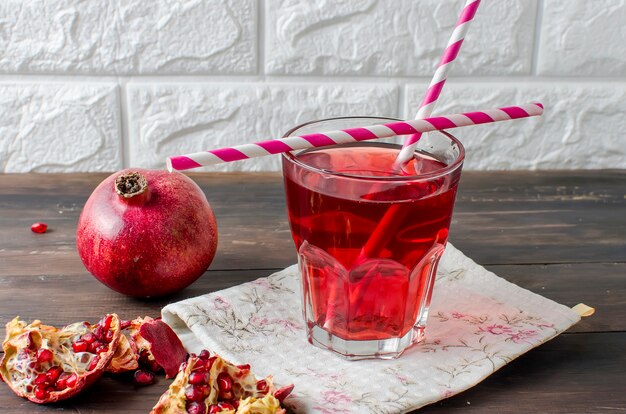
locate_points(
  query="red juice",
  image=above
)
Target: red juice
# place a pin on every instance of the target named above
(368, 271)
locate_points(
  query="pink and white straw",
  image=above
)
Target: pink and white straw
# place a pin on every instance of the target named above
(416, 126)
(439, 78)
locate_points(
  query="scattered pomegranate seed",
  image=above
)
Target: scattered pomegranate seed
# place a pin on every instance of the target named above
(80, 346)
(53, 374)
(144, 377)
(44, 355)
(39, 227)
(195, 407)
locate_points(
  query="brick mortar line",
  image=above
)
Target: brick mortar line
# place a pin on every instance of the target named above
(314, 79)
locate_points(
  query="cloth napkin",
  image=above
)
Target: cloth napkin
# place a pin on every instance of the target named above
(478, 323)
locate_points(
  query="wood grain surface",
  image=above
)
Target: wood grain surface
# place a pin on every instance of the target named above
(559, 234)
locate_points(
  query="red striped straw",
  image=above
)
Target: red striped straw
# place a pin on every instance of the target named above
(439, 78)
(415, 126)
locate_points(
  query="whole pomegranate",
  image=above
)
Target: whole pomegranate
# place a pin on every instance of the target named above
(147, 232)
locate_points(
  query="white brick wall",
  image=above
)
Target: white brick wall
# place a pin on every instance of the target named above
(90, 85)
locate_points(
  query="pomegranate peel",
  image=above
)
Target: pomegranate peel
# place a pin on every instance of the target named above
(157, 345)
(30, 372)
(210, 384)
(125, 358)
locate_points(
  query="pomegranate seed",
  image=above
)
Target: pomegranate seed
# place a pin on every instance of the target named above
(101, 349)
(53, 374)
(61, 383)
(235, 403)
(144, 377)
(283, 392)
(71, 380)
(39, 227)
(41, 379)
(198, 377)
(109, 336)
(106, 325)
(80, 346)
(94, 363)
(144, 357)
(44, 355)
(93, 346)
(195, 407)
(124, 325)
(41, 393)
(99, 332)
(155, 367)
(204, 354)
(89, 337)
(196, 393)
(262, 387)
(214, 409)
(224, 382)
(225, 406)
(244, 367)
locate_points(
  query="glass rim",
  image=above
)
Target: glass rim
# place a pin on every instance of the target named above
(448, 169)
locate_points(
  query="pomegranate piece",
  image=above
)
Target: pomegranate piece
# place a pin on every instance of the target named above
(39, 227)
(221, 388)
(157, 345)
(45, 364)
(164, 238)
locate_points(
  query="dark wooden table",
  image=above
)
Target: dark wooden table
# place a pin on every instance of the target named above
(559, 234)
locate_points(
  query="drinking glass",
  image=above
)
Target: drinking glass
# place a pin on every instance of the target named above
(369, 236)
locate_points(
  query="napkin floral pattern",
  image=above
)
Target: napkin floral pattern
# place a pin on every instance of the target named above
(478, 323)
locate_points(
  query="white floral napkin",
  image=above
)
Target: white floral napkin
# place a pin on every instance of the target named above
(478, 323)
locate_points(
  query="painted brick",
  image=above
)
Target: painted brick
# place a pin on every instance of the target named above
(182, 118)
(580, 129)
(581, 37)
(128, 37)
(51, 127)
(400, 37)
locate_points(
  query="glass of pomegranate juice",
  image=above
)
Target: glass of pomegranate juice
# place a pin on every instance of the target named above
(368, 236)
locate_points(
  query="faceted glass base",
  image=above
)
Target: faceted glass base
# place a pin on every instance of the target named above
(373, 349)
